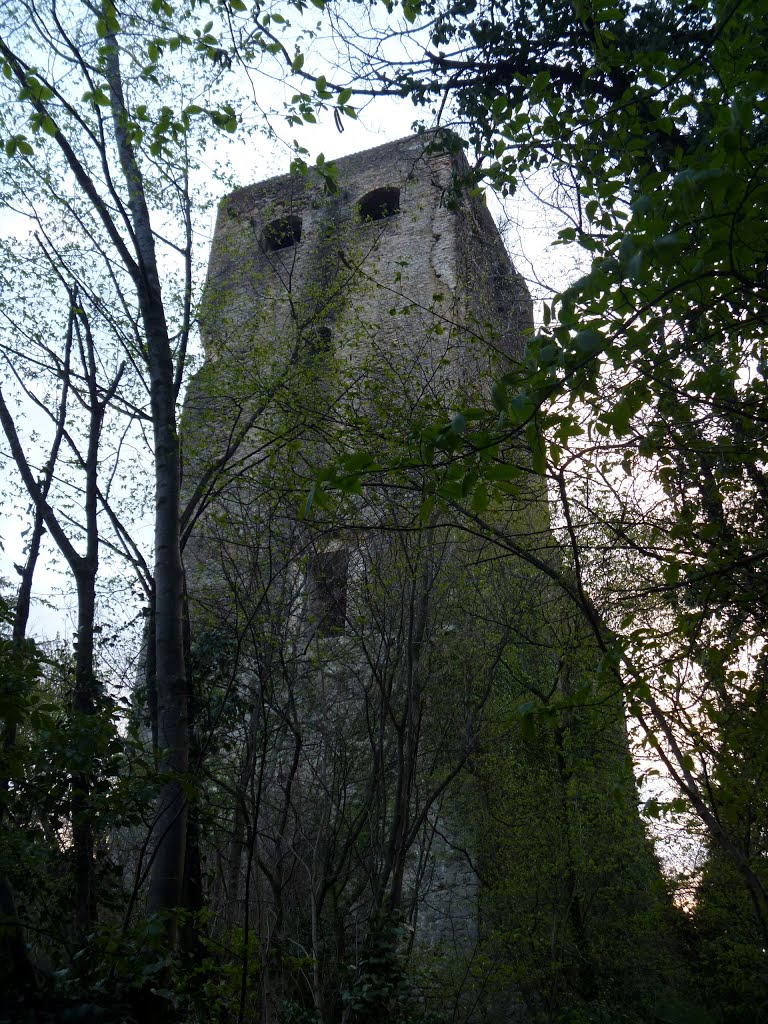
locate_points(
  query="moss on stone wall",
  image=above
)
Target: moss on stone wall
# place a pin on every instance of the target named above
(443, 758)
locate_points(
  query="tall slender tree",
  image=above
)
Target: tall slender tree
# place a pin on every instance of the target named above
(104, 115)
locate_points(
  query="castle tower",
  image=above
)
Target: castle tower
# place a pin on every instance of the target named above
(393, 236)
(378, 788)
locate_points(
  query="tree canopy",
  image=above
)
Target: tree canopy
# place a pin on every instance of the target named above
(643, 398)
(647, 379)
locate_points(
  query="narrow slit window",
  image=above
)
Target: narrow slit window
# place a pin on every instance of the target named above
(328, 571)
(281, 234)
(379, 204)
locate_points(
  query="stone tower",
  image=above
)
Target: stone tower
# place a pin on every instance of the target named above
(394, 240)
(388, 804)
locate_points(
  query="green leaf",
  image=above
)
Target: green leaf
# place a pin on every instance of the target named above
(357, 462)
(507, 471)
(521, 407)
(459, 423)
(589, 341)
(425, 511)
(499, 106)
(548, 354)
(499, 396)
(526, 714)
(538, 455)
(674, 240)
(652, 808)
(634, 266)
(411, 10)
(480, 499)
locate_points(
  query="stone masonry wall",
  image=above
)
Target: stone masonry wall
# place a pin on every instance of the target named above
(439, 258)
(318, 317)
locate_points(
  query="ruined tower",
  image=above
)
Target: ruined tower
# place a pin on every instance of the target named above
(379, 652)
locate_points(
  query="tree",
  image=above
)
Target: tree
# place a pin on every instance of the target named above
(95, 397)
(101, 140)
(652, 366)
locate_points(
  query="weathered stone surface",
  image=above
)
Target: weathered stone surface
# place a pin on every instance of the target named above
(440, 257)
(379, 764)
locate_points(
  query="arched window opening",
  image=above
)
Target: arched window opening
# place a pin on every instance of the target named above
(381, 203)
(281, 233)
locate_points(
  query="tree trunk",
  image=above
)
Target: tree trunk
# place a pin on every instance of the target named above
(18, 972)
(170, 823)
(84, 706)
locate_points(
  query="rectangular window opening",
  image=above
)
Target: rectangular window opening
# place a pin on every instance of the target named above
(327, 572)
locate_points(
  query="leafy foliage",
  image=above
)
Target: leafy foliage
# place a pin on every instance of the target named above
(643, 398)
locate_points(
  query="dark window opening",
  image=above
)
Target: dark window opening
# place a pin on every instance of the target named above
(328, 591)
(281, 233)
(381, 203)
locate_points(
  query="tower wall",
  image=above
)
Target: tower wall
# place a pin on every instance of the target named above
(439, 259)
(371, 658)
